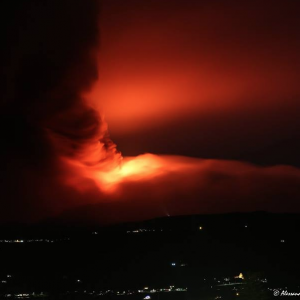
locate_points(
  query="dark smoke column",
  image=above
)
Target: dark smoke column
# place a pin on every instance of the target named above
(48, 62)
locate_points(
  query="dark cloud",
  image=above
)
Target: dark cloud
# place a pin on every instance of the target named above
(48, 62)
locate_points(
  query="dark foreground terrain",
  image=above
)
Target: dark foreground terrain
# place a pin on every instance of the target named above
(189, 257)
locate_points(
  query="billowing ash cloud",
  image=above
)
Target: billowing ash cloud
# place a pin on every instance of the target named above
(57, 157)
(48, 63)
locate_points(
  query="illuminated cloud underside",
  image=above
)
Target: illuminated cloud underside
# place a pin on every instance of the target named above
(152, 185)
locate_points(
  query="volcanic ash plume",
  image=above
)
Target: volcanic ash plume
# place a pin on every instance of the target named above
(57, 154)
(47, 127)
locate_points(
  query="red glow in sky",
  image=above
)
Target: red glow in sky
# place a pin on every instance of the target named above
(161, 63)
(205, 79)
(228, 74)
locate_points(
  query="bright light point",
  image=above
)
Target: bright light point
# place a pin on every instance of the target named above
(147, 297)
(200, 228)
(240, 276)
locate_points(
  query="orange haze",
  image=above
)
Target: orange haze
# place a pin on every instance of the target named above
(217, 80)
(161, 62)
(162, 65)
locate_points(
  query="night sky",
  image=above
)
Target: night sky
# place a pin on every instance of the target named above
(210, 88)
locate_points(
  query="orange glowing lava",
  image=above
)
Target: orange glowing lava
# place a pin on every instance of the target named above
(131, 168)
